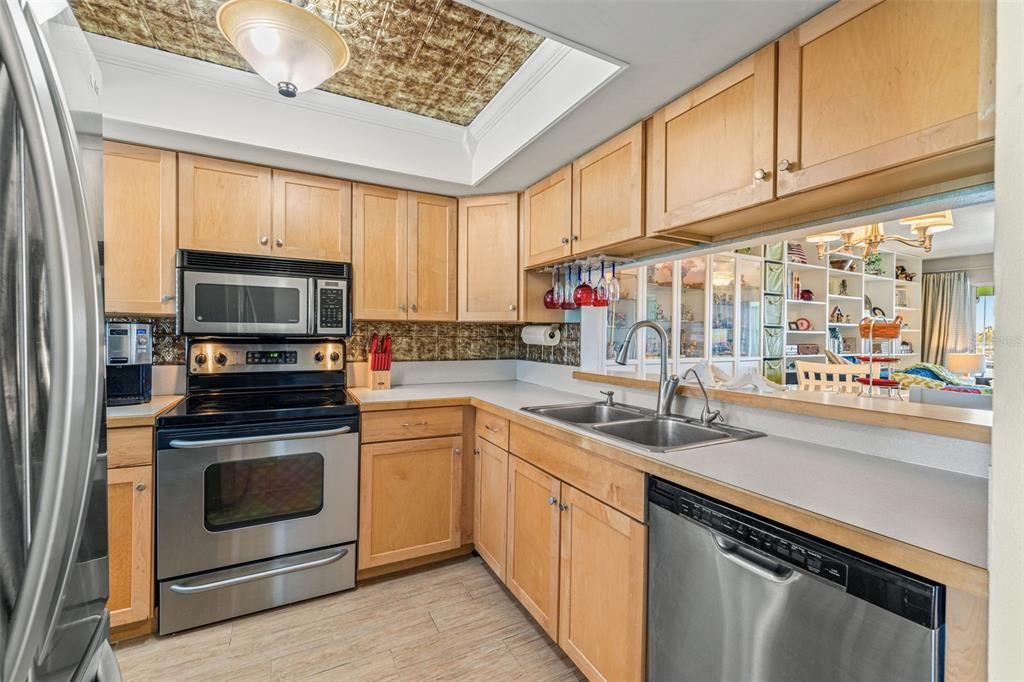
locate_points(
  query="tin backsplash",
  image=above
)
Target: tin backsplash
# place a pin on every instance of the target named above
(411, 341)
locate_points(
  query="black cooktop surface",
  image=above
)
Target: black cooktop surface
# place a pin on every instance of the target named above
(211, 409)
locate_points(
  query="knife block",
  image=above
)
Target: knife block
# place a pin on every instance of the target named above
(379, 380)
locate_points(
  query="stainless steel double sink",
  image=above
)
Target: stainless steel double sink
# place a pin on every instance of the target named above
(642, 428)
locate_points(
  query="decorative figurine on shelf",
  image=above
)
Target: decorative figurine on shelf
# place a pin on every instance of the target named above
(906, 347)
(847, 320)
(843, 288)
(873, 264)
(902, 274)
(836, 315)
(806, 295)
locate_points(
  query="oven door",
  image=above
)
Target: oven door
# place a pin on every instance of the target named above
(240, 494)
(233, 304)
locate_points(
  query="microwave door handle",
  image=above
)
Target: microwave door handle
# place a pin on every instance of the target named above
(184, 443)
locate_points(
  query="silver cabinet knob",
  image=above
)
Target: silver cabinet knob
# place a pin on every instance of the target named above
(414, 307)
(279, 242)
(575, 237)
(785, 165)
(264, 240)
(760, 175)
(552, 500)
(167, 297)
(476, 451)
(565, 240)
(402, 307)
(512, 306)
(140, 487)
(563, 506)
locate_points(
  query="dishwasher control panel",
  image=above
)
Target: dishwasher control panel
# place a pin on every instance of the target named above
(915, 598)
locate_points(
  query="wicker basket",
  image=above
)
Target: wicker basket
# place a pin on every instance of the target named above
(880, 328)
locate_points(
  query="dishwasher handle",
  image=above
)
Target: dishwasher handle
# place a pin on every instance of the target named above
(752, 561)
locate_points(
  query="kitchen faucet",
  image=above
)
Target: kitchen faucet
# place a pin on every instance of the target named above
(707, 415)
(668, 384)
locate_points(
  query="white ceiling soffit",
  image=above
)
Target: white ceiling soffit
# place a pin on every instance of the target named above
(155, 97)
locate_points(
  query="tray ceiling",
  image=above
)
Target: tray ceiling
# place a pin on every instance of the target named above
(435, 58)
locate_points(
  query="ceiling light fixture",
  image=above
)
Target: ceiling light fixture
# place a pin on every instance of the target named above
(870, 237)
(291, 47)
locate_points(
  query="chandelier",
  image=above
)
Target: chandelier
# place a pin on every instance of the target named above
(870, 237)
(291, 47)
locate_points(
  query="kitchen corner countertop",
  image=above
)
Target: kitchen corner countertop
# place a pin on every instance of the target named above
(141, 415)
(939, 511)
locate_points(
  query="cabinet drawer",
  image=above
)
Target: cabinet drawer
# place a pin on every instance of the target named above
(616, 484)
(129, 447)
(406, 424)
(492, 428)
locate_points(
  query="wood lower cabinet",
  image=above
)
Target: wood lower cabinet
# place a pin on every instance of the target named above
(130, 544)
(608, 193)
(410, 499)
(864, 87)
(433, 256)
(490, 508)
(312, 217)
(531, 573)
(224, 205)
(488, 258)
(140, 229)
(712, 150)
(547, 208)
(602, 588)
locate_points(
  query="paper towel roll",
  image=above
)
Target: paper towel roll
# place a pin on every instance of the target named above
(541, 335)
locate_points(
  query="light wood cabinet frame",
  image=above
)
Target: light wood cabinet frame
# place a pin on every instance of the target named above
(130, 529)
(321, 229)
(433, 260)
(547, 207)
(488, 258)
(490, 505)
(602, 188)
(365, 237)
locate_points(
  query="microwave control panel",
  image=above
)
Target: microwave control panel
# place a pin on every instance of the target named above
(332, 306)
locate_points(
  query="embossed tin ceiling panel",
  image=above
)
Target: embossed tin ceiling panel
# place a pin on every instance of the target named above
(436, 58)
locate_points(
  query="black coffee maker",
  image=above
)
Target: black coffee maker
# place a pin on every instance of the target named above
(129, 363)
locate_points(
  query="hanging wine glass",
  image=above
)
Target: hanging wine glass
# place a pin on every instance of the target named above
(567, 291)
(601, 291)
(613, 286)
(552, 295)
(583, 295)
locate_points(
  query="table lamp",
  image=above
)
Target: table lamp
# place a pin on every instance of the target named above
(965, 364)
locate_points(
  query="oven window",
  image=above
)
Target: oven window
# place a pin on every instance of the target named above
(247, 304)
(256, 491)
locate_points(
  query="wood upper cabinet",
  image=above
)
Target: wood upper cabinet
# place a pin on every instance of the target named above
(130, 539)
(224, 205)
(608, 192)
(531, 572)
(547, 208)
(433, 254)
(140, 229)
(488, 262)
(602, 588)
(410, 499)
(379, 252)
(712, 150)
(868, 85)
(490, 511)
(312, 217)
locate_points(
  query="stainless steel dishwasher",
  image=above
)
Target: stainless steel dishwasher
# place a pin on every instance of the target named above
(734, 597)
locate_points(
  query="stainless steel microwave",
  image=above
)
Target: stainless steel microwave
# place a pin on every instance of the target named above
(234, 295)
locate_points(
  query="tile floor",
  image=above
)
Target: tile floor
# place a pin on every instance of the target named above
(450, 622)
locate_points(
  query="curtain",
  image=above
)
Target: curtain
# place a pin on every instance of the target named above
(948, 315)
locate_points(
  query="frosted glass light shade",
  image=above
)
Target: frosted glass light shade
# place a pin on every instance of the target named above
(291, 48)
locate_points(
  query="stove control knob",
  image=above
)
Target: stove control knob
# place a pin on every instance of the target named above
(201, 359)
(221, 359)
(318, 356)
(335, 356)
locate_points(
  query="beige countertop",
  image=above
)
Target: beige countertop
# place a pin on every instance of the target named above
(939, 511)
(141, 415)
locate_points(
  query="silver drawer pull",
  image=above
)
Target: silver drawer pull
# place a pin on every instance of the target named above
(245, 440)
(192, 587)
(407, 424)
(492, 429)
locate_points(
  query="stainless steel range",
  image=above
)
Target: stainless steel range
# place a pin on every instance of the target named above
(257, 480)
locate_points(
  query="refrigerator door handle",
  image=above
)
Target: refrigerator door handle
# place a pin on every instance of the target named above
(70, 265)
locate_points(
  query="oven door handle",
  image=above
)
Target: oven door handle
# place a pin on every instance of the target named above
(193, 587)
(181, 443)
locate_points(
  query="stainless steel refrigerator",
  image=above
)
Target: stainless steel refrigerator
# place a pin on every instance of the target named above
(53, 514)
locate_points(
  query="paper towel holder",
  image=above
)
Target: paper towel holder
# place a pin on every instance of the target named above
(541, 335)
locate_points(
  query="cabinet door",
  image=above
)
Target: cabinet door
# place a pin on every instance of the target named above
(488, 261)
(223, 205)
(608, 192)
(140, 229)
(490, 512)
(548, 207)
(602, 586)
(410, 499)
(712, 150)
(312, 217)
(379, 253)
(433, 253)
(130, 537)
(533, 531)
(865, 86)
